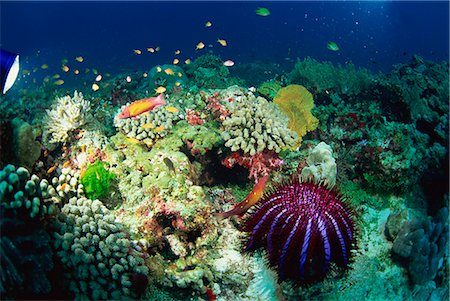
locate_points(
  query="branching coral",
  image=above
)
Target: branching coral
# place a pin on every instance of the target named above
(256, 125)
(96, 252)
(67, 115)
(150, 127)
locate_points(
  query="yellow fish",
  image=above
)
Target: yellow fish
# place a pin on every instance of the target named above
(98, 78)
(77, 71)
(176, 61)
(65, 68)
(79, 59)
(177, 84)
(158, 69)
(208, 24)
(44, 66)
(59, 82)
(159, 129)
(150, 49)
(95, 87)
(145, 74)
(180, 74)
(200, 45)
(187, 62)
(160, 90)
(222, 42)
(56, 76)
(171, 109)
(177, 52)
(133, 140)
(148, 126)
(169, 71)
(137, 51)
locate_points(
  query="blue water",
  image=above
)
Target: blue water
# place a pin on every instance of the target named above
(373, 35)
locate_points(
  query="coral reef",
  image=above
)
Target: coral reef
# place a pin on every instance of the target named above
(420, 243)
(256, 125)
(67, 115)
(321, 165)
(172, 77)
(296, 102)
(26, 257)
(96, 253)
(269, 89)
(24, 146)
(67, 184)
(150, 127)
(321, 77)
(96, 180)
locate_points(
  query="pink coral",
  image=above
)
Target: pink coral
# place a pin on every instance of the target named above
(214, 105)
(259, 165)
(193, 117)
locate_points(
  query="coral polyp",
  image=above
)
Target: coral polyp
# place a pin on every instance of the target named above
(306, 228)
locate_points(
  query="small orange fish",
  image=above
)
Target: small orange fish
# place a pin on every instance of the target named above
(148, 126)
(137, 51)
(151, 49)
(169, 71)
(208, 24)
(65, 68)
(159, 129)
(187, 62)
(251, 199)
(66, 164)
(177, 52)
(200, 45)
(176, 61)
(171, 109)
(141, 106)
(52, 169)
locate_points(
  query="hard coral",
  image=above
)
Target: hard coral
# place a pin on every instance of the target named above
(255, 125)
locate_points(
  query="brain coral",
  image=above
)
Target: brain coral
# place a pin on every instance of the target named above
(66, 115)
(96, 253)
(297, 103)
(256, 125)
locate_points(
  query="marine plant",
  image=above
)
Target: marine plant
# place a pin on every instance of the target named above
(296, 102)
(269, 89)
(306, 228)
(96, 180)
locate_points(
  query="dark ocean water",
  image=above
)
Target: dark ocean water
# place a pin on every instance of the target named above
(374, 35)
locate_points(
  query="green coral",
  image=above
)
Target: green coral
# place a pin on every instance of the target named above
(96, 180)
(96, 253)
(269, 89)
(321, 77)
(24, 194)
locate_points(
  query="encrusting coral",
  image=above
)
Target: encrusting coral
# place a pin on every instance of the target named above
(67, 115)
(94, 249)
(255, 125)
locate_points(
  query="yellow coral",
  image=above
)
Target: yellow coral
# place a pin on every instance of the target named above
(296, 102)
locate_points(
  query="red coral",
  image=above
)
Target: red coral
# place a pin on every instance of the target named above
(193, 117)
(259, 165)
(214, 105)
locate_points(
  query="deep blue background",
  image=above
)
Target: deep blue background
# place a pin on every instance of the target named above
(370, 34)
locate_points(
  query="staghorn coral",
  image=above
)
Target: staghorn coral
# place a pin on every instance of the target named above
(296, 102)
(67, 115)
(148, 128)
(256, 125)
(95, 251)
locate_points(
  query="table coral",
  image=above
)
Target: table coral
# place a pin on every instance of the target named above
(66, 115)
(96, 252)
(256, 125)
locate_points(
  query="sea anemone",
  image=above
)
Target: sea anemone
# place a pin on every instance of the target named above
(306, 229)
